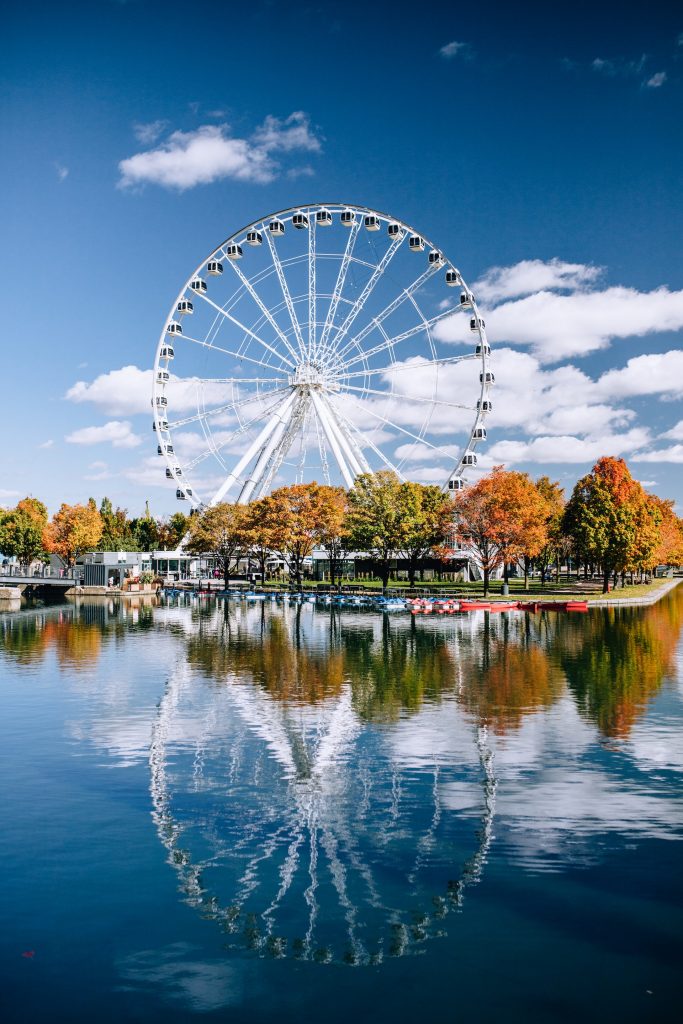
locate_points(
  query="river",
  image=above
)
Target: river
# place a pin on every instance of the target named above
(231, 811)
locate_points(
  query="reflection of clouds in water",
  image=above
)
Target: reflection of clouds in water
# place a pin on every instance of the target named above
(197, 985)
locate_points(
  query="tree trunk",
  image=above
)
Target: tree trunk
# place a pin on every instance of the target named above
(605, 579)
(506, 571)
(226, 573)
(486, 582)
(411, 572)
(526, 572)
(384, 575)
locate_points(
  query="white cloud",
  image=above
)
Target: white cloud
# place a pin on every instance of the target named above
(118, 433)
(529, 276)
(98, 471)
(4, 493)
(452, 49)
(676, 432)
(210, 153)
(46, 444)
(657, 80)
(659, 373)
(619, 66)
(149, 132)
(121, 392)
(285, 135)
(559, 326)
(62, 172)
(672, 454)
(569, 449)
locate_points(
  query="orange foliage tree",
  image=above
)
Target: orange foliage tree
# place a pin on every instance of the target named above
(503, 516)
(299, 516)
(611, 519)
(73, 530)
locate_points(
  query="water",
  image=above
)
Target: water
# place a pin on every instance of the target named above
(251, 812)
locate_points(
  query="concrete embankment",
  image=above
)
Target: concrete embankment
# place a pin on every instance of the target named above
(651, 598)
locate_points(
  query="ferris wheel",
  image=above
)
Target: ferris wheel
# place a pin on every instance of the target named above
(319, 343)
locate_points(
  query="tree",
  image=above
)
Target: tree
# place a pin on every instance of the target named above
(219, 531)
(553, 494)
(502, 516)
(298, 514)
(606, 518)
(146, 531)
(74, 529)
(259, 522)
(427, 522)
(171, 533)
(117, 531)
(669, 550)
(332, 533)
(21, 530)
(375, 521)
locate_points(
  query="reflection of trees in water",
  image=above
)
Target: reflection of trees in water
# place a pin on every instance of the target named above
(615, 660)
(74, 633)
(499, 667)
(508, 671)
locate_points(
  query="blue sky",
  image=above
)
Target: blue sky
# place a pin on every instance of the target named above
(540, 148)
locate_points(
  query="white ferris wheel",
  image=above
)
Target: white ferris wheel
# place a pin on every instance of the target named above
(311, 345)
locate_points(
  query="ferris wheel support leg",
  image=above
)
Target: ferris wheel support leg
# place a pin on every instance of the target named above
(270, 426)
(342, 439)
(325, 420)
(282, 419)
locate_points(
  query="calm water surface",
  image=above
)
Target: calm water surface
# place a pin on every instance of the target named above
(247, 813)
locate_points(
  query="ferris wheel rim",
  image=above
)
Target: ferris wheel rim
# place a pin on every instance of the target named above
(346, 441)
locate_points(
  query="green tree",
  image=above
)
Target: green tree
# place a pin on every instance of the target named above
(117, 531)
(21, 536)
(376, 519)
(427, 519)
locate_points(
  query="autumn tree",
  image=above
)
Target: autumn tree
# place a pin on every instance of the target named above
(669, 550)
(501, 517)
(73, 530)
(218, 531)
(299, 514)
(21, 530)
(375, 521)
(607, 519)
(555, 541)
(427, 515)
(332, 535)
(260, 517)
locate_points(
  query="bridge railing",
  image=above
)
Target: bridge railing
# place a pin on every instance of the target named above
(12, 569)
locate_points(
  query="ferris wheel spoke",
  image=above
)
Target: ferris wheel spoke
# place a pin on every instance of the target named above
(405, 398)
(242, 429)
(230, 352)
(367, 291)
(400, 367)
(391, 308)
(312, 297)
(264, 309)
(367, 442)
(219, 409)
(286, 293)
(396, 339)
(394, 426)
(339, 284)
(247, 330)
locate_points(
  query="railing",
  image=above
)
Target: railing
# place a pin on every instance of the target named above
(14, 571)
